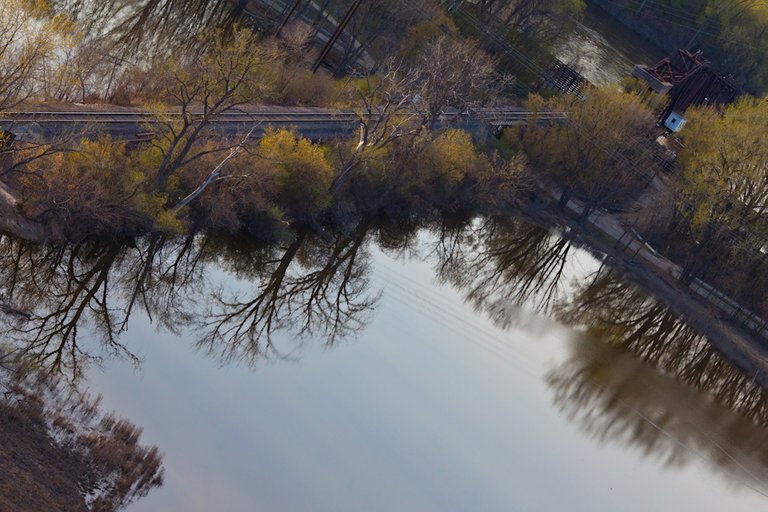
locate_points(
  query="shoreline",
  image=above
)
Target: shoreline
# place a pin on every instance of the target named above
(742, 349)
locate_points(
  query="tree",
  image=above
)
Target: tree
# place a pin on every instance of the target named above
(599, 153)
(725, 166)
(453, 73)
(723, 187)
(740, 42)
(304, 173)
(379, 27)
(220, 80)
(406, 98)
(23, 49)
(103, 188)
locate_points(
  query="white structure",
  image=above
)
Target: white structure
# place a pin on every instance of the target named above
(675, 121)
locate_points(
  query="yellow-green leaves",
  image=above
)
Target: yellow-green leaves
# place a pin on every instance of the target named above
(304, 175)
(724, 166)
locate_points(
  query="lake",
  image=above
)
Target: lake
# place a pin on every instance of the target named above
(462, 364)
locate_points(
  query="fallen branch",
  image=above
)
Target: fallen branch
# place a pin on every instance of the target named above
(215, 174)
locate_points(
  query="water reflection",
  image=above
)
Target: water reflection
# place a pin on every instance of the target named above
(313, 286)
(154, 25)
(504, 263)
(61, 452)
(624, 317)
(613, 397)
(644, 378)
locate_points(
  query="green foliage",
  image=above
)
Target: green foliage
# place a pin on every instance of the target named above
(451, 156)
(724, 168)
(594, 153)
(103, 187)
(304, 173)
(446, 171)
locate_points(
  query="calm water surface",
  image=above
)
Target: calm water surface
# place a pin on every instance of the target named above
(484, 366)
(604, 51)
(475, 366)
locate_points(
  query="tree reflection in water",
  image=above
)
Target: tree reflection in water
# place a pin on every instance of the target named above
(624, 384)
(623, 316)
(614, 397)
(638, 374)
(154, 25)
(313, 286)
(502, 265)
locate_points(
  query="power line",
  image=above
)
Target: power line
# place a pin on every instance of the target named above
(336, 34)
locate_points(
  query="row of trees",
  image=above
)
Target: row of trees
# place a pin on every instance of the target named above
(709, 215)
(718, 229)
(111, 187)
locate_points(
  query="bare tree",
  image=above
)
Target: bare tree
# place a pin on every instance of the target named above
(453, 73)
(23, 49)
(219, 81)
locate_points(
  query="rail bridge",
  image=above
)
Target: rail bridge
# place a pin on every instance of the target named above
(317, 124)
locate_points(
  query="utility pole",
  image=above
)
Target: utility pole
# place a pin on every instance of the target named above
(336, 34)
(287, 17)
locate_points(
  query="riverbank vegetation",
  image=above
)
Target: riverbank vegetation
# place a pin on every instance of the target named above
(59, 451)
(404, 161)
(190, 176)
(139, 219)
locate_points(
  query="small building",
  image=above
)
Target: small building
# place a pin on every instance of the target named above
(675, 121)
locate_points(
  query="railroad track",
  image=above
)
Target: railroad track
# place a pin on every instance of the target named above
(256, 116)
(43, 126)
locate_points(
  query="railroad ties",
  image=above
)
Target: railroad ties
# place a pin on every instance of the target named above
(563, 79)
